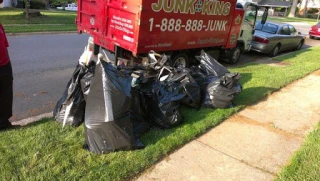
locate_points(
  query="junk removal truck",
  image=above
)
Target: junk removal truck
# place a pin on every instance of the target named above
(179, 28)
(157, 55)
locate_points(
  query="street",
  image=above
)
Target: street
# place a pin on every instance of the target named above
(43, 64)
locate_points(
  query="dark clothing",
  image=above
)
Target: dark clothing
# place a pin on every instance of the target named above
(6, 82)
(6, 92)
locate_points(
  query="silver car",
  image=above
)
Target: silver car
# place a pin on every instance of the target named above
(272, 38)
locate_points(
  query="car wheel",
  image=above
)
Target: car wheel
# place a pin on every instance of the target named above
(180, 59)
(311, 37)
(275, 51)
(299, 45)
(235, 55)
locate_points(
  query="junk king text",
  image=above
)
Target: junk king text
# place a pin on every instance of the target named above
(177, 25)
(208, 7)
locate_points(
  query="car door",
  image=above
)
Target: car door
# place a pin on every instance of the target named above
(285, 38)
(295, 38)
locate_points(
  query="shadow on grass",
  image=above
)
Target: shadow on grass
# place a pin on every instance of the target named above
(250, 96)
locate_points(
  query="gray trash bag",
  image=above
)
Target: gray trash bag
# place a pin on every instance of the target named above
(210, 66)
(221, 91)
(157, 61)
(108, 126)
(71, 106)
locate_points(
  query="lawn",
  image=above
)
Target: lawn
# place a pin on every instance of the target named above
(286, 19)
(14, 21)
(45, 150)
(305, 164)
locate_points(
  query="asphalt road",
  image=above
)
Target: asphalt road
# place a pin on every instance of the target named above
(43, 64)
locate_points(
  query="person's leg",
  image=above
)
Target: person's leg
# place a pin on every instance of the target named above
(6, 95)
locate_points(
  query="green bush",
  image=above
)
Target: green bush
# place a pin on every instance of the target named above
(312, 10)
(37, 5)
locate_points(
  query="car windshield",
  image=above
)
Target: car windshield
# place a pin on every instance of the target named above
(267, 27)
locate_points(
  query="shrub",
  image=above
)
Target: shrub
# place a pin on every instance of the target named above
(37, 5)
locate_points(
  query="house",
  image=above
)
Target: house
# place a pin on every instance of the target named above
(273, 5)
(8, 3)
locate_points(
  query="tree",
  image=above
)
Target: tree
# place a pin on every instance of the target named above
(303, 8)
(293, 9)
(27, 5)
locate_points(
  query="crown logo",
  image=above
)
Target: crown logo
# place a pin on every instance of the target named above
(198, 6)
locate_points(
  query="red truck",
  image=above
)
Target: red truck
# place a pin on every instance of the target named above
(180, 28)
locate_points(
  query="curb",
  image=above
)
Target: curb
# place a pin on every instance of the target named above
(33, 119)
(42, 33)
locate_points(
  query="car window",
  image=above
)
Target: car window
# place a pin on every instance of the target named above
(285, 30)
(292, 29)
(267, 27)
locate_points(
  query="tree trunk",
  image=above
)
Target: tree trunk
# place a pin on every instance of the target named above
(293, 9)
(26, 4)
(303, 8)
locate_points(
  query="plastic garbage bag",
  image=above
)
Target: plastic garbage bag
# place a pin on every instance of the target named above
(180, 81)
(86, 80)
(221, 91)
(210, 66)
(198, 76)
(71, 106)
(138, 117)
(157, 61)
(108, 125)
(229, 80)
(163, 106)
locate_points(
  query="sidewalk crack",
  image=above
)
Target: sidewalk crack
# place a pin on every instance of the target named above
(242, 161)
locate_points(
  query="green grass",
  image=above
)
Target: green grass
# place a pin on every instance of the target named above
(44, 150)
(286, 19)
(14, 21)
(305, 164)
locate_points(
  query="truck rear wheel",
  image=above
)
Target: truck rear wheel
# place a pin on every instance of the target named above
(180, 59)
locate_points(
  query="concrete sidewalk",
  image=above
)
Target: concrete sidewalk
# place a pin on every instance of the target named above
(251, 145)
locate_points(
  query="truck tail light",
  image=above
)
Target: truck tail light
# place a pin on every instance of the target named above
(261, 40)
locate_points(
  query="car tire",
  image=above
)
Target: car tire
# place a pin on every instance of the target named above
(300, 45)
(311, 37)
(180, 58)
(275, 51)
(235, 55)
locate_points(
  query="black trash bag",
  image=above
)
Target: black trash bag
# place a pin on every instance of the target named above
(181, 81)
(230, 80)
(198, 76)
(210, 66)
(163, 107)
(108, 125)
(86, 80)
(71, 106)
(193, 93)
(138, 117)
(220, 93)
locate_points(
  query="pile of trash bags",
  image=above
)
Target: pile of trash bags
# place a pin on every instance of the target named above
(118, 104)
